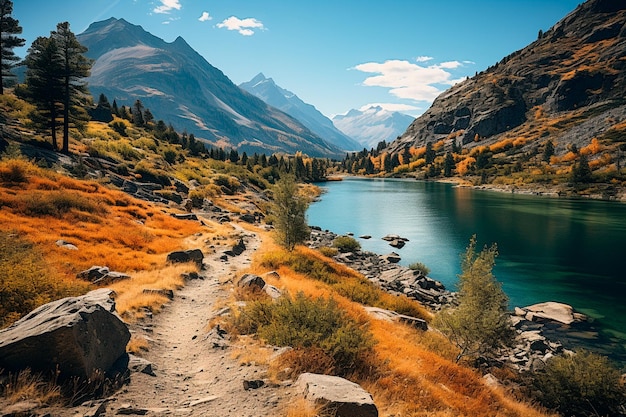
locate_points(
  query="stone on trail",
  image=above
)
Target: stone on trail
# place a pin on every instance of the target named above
(337, 395)
(191, 255)
(79, 336)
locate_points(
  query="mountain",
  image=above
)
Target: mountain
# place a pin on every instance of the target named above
(567, 87)
(373, 125)
(180, 87)
(267, 90)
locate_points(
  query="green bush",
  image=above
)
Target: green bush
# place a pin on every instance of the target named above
(582, 384)
(418, 266)
(304, 323)
(346, 244)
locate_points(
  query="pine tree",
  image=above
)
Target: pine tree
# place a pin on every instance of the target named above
(448, 165)
(44, 84)
(548, 151)
(137, 112)
(75, 67)
(9, 27)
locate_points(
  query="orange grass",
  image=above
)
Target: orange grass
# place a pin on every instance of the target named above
(415, 373)
(108, 227)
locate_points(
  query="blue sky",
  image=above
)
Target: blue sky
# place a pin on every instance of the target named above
(334, 54)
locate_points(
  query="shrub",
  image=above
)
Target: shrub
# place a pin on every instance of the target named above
(119, 127)
(418, 266)
(330, 252)
(346, 244)
(582, 384)
(26, 280)
(480, 324)
(58, 203)
(14, 171)
(305, 323)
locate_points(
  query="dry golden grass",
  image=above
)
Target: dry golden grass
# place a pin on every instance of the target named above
(108, 227)
(29, 387)
(132, 302)
(413, 372)
(137, 345)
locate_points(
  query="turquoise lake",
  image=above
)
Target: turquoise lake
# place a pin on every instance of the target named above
(570, 251)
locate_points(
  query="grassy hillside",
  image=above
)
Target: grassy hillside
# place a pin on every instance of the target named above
(46, 197)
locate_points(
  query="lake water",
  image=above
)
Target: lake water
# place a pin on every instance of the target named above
(570, 251)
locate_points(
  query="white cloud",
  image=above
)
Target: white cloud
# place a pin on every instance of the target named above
(243, 26)
(449, 65)
(424, 58)
(411, 81)
(402, 108)
(205, 17)
(167, 6)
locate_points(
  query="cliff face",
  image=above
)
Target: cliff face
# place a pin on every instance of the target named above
(572, 74)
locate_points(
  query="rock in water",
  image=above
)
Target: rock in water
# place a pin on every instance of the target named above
(79, 335)
(337, 395)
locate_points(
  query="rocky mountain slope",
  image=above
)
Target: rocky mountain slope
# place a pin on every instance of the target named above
(276, 96)
(568, 87)
(180, 86)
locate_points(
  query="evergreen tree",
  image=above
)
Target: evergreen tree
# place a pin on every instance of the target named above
(448, 165)
(430, 154)
(43, 84)
(102, 112)
(582, 172)
(244, 158)
(137, 112)
(480, 324)
(233, 156)
(406, 156)
(114, 108)
(9, 27)
(75, 66)
(148, 117)
(548, 151)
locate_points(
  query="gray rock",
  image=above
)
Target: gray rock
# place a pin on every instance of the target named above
(397, 243)
(272, 291)
(553, 311)
(337, 396)
(393, 258)
(66, 245)
(185, 216)
(78, 335)
(251, 281)
(191, 255)
(239, 248)
(94, 273)
(248, 218)
(137, 364)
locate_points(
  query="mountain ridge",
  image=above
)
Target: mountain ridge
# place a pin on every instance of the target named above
(267, 90)
(373, 125)
(577, 64)
(182, 87)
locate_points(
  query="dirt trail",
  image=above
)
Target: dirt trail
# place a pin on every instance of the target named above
(193, 377)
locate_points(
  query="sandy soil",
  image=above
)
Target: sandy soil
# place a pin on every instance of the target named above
(193, 378)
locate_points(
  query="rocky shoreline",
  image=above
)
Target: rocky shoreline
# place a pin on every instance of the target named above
(542, 330)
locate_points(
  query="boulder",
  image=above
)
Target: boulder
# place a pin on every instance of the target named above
(397, 243)
(79, 336)
(239, 247)
(66, 245)
(101, 275)
(337, 396)
(251, 281)
(248, 218)
(393, 258)
(191, 255)
(553, 311)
